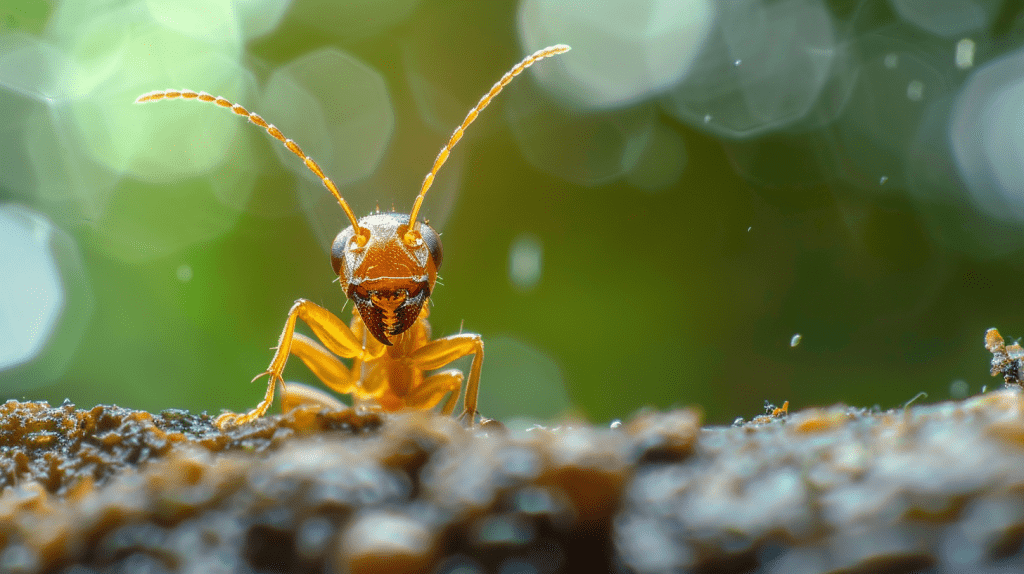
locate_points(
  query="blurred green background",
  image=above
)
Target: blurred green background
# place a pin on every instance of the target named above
(648, 225)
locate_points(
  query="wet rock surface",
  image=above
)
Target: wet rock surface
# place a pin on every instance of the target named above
(932, 488)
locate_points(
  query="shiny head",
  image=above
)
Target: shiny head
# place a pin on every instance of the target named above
(387, 278)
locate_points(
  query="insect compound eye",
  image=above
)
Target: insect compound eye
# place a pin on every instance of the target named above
(338, 249)
(433, 241)
(345, 243)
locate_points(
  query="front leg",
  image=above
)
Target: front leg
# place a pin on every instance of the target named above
(439, 353)
(332, 332)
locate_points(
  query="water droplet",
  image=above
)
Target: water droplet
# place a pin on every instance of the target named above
(795, 340)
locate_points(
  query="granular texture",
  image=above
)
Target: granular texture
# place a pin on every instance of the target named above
(932, 488)
(62, 447)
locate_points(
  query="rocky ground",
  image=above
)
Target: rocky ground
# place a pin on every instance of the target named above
(932, 488)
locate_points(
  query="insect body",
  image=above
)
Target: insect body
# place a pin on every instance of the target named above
(387, 265)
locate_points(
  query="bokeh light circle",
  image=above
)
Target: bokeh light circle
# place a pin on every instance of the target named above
(602, 146)
(352, 19)
(947, 18)
(339, 111)
(336, 108)
(31, 291)
(525, 262)
(893, 89)
(763, 68)
(987, 136)
(661, 162)
(522, 381)
(624, 51)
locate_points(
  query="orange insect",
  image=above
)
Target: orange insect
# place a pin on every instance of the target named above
(387, 264)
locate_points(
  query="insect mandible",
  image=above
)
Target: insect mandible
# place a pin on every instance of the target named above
(387, 265)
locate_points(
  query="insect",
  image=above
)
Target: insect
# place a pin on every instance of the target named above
(387, 265)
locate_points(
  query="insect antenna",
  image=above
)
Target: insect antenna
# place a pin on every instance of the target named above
(271, 129)
(473, 113)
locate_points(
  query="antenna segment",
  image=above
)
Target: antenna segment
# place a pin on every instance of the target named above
(473, 113)
(271, 129)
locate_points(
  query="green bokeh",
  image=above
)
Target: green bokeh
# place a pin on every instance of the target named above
(687, 295)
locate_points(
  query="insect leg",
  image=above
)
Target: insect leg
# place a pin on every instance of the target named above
(334, 334)
(440, 352)
(430, 391)
(326, 367)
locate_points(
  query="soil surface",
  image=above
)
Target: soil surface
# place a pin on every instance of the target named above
(931, 488)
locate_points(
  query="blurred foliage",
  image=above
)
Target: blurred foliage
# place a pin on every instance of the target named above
(663, 284)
